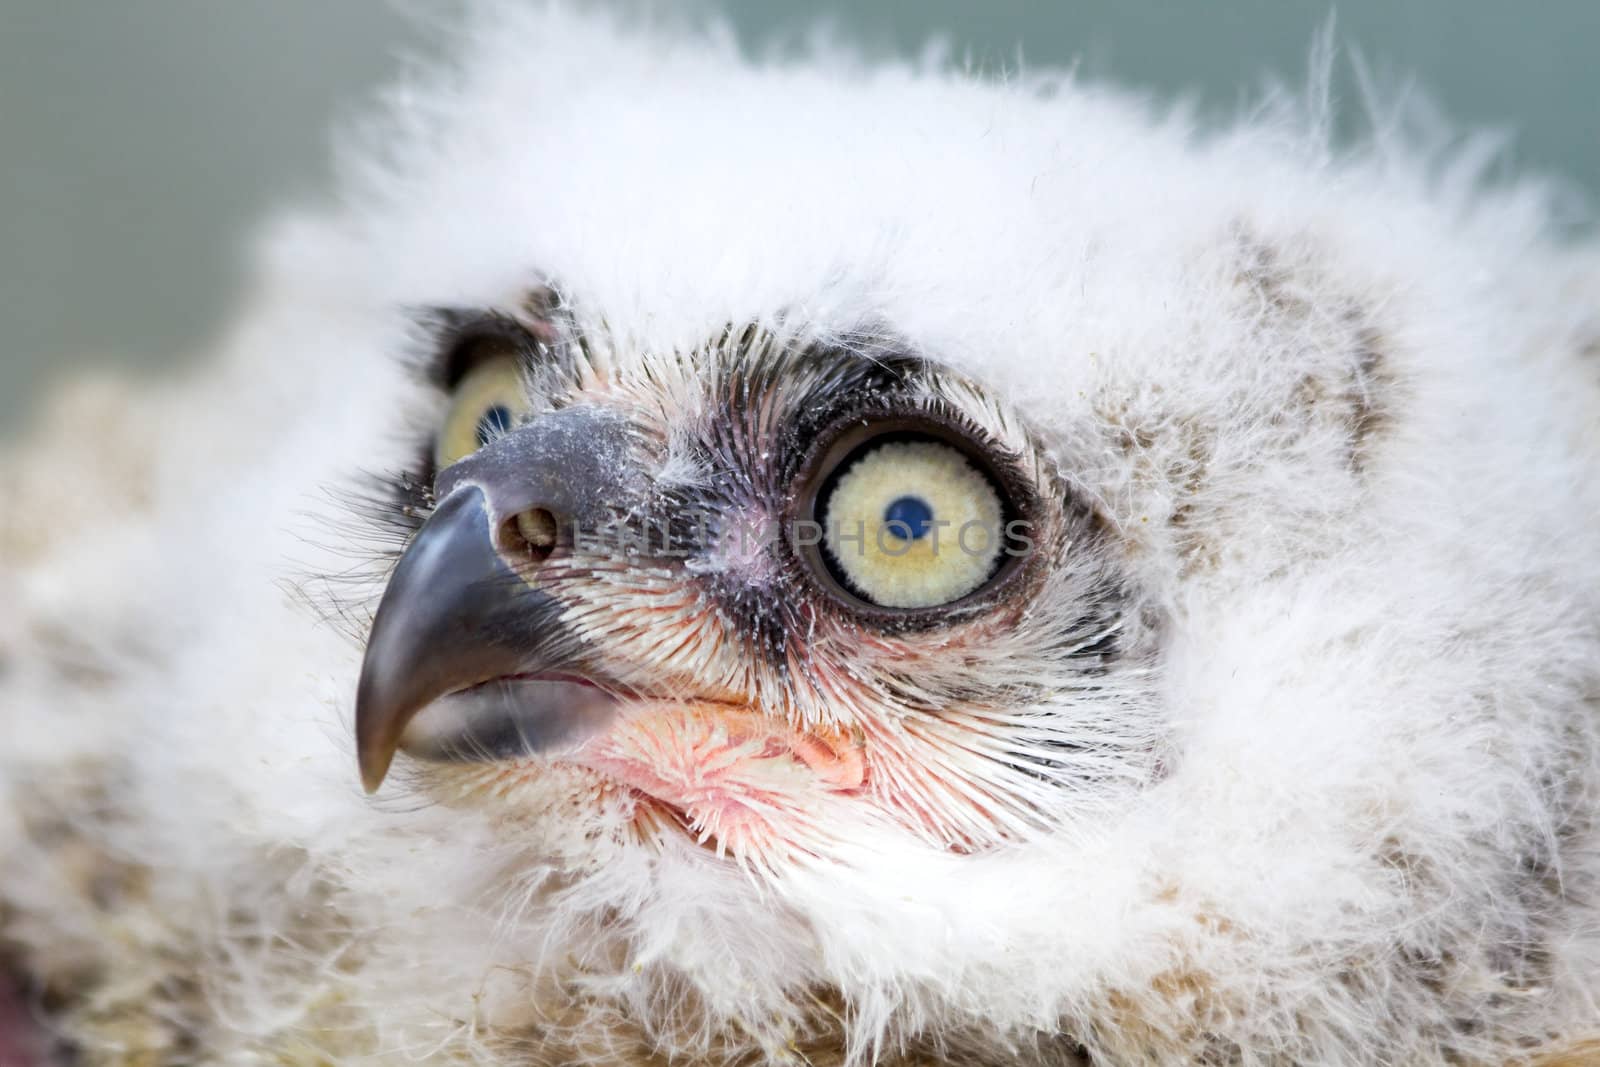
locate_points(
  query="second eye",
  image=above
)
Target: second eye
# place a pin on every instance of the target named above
(488, 401)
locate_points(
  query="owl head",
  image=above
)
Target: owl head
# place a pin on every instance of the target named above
(770, 594)
(825, 561)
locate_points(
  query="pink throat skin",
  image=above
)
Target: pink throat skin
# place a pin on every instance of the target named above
(731, 775)
(728, 774)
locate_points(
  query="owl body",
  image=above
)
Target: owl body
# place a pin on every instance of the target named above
(1280, 746)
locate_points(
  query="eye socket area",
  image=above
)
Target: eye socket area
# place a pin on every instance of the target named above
(490, 399)
(903, 518)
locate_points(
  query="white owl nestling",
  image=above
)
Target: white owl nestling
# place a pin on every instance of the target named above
(694, 561)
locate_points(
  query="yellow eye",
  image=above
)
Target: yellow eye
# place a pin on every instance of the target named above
(912, 524)
(488, 401)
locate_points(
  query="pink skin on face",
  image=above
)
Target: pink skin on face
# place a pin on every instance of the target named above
(734, 777)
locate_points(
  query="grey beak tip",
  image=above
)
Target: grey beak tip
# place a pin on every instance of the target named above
(372, 778)
(372, 751)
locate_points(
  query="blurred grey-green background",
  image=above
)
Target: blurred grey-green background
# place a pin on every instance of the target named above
(141, 139)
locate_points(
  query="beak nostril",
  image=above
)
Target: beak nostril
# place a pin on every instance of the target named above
(537, 527)
(531, 533)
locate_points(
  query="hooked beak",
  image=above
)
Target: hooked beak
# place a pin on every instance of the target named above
(456, 614)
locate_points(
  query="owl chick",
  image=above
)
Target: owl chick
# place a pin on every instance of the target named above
(689, 561)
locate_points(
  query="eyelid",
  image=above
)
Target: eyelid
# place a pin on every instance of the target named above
(464, 339)
(847, 433)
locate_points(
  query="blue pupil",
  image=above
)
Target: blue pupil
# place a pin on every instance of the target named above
(908, 518)
(493, 423)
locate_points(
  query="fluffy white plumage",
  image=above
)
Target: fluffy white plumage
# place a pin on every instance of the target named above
(1337, 412)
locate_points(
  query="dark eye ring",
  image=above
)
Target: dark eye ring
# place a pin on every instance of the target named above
(905, 519)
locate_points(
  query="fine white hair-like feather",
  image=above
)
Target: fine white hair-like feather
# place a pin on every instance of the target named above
(1342, 409)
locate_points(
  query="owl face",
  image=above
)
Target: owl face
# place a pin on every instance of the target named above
(764, 593)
